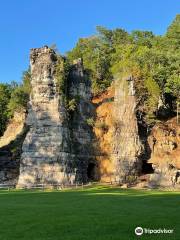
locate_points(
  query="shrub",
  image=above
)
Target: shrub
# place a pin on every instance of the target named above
(90, 122)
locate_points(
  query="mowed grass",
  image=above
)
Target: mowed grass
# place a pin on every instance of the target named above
(96, 213)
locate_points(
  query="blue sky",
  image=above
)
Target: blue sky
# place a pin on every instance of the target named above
(26, 24)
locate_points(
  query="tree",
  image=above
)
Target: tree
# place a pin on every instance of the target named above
(152, 61)
(5, 93)
(173, 87)
(105, 35)
(95, 53)
(18, 100)
(143, 38)
(173, 34)
(26, 78)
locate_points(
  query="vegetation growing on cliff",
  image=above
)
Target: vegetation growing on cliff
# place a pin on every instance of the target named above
(61, 74)
(153, 61)
(5, 94)
(13, 97)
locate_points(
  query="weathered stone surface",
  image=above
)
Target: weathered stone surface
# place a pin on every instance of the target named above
(165, 154)
(127, 145)
(104, 132)
(15, 128)
(118, 147)
(40, 160)
(81, 135)
(10, 148)
(58, 145)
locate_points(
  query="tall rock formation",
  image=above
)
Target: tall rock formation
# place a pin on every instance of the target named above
(58, 145)
(116, 130)
(127, 145)
(81, 134)
(44, 141)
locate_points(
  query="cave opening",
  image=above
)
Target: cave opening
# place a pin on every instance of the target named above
(147, 168)
(91, 171)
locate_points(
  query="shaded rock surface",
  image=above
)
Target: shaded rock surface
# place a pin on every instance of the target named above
(81, 135)
(11, 148)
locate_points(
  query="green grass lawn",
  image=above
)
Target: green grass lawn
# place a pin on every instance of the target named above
(96, 213)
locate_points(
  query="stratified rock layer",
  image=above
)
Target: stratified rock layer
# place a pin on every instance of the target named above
(164, 142)
(55, 148)
(41, 148)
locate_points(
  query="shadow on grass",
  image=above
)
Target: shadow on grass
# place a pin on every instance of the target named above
(95, 191)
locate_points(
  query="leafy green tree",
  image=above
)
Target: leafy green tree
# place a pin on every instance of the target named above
(173, 87)
(173, 34)
(96, 59)
(153, 62)
(18, 100)
(5, 93)
(106, 35)
(26, 78)
(61, 74)
(143, 38)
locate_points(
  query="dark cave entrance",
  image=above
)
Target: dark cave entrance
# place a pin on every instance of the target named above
(147, 168)
(91, 172)
(144, 131)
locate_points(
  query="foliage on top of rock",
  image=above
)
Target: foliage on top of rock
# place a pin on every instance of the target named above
(150, 59)
(153, 62)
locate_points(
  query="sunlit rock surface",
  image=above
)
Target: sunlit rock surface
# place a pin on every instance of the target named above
(165, 154)
(117, 136)
(127, 145)
(56, 148)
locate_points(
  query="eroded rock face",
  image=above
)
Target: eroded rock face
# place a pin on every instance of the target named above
(117, 135)
(43, 146)
(104, 132)
(81, 134)
(10, 148)
(127, 145)
(57, 148)
(14, 128)
(165, 154)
